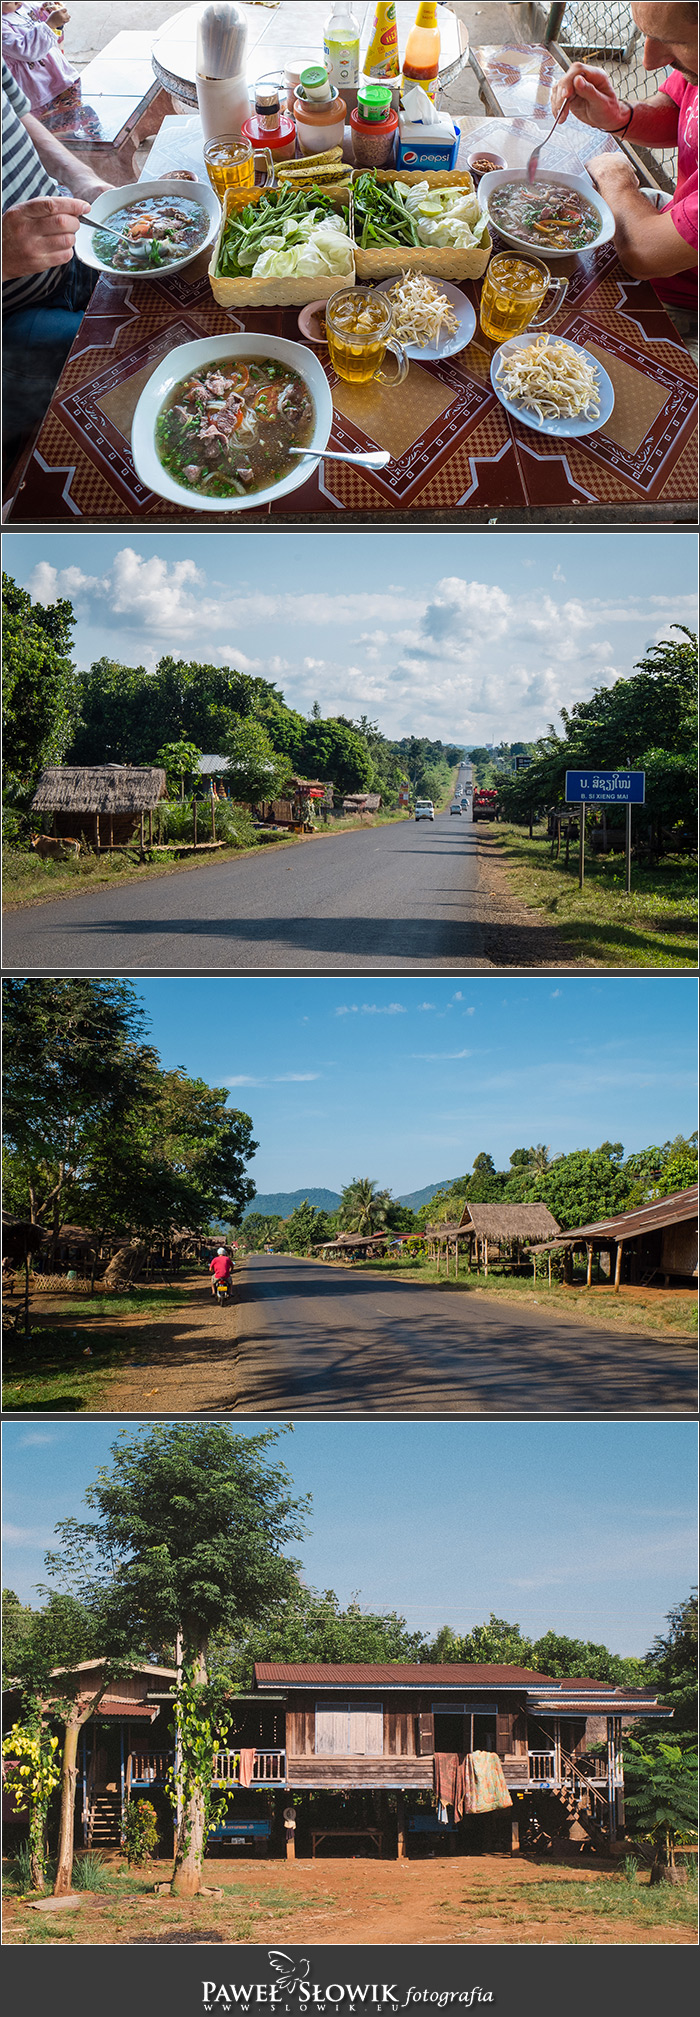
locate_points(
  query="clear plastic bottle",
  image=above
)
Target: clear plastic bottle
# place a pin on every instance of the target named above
(341, 47)
(421, 61)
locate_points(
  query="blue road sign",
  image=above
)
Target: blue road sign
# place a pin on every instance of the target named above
(605, 787)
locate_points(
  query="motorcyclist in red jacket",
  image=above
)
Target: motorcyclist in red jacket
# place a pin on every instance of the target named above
(220, 1269)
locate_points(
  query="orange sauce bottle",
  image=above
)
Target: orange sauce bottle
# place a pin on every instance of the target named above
(421, 61)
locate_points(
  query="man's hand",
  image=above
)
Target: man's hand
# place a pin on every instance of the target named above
(40, 234)
(589, 95)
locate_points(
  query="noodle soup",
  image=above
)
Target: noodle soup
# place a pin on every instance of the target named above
(154, 232)
(547, 216)
(227, 429)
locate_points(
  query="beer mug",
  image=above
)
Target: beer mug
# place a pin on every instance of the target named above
(358, 334)
(513, 290)
(231, 162)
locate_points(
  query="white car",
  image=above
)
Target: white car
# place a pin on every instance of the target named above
(456, 807)
(424, 809)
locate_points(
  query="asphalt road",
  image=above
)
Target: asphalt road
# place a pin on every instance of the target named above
(319, 1341)
(404, 896)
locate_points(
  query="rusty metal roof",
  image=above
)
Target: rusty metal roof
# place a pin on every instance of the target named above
(389, 1675)
(672, 1211)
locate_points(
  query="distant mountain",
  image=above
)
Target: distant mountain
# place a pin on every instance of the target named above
(274, 1204)
(279, 1204)
(417, 1198)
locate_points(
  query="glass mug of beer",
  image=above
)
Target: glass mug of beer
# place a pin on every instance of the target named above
(513, 290)
(358, 334)
(231, 162)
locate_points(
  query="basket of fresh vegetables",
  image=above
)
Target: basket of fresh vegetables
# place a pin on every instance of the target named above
(428, 222)
(285, 247)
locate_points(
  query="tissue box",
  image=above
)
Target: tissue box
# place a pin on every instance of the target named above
(422, 147)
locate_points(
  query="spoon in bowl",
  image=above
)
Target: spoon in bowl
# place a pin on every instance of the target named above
(531, 169)
(375, 458)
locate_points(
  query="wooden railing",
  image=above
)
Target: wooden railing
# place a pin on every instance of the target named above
(269, 1768)
(543, 1766)
(150, 1768)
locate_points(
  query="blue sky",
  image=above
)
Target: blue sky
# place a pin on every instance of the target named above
(406, 1081)
(587, 1527)
(484, 638)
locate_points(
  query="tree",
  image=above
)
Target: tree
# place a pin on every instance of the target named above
(661, 1171)
(127, 713)
(561, 1657)
(179, 760)
(40, 690)
(647, 722)
(586, 1185)
(259, 1228)
(60, 1636)
(333, 751)
(188, 1541)
(662, 1795)
(363, 1209)
(30, 1777)
(493, 1643)
(673, 1666)
(306, 1227)
(74, 1065)
(313, 1625)
(254, 769)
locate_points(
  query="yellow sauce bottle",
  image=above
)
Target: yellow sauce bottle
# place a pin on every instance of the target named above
(421, 62)
(382, 58)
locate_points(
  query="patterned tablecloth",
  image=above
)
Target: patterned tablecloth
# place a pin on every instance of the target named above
(454, 449)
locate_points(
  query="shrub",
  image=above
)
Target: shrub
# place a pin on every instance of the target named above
(141, 1831)
(90, 1873)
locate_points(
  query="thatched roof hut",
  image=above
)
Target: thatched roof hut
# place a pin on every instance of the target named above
(502, 1224)
(104, 802)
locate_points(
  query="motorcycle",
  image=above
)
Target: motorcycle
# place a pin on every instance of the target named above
(222, 1292)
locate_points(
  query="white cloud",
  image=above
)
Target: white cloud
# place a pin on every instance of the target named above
(558, 575)
(434, 1057)
(366, 1008)
(295, 1078)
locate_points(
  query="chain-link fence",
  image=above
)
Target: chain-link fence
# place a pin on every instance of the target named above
(603, 32)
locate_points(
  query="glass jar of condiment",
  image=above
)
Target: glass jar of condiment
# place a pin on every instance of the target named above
(319, 112)
(374, 126)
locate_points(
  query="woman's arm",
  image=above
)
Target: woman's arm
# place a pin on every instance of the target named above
(59, 162)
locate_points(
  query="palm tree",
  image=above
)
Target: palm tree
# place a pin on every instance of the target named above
(363, 1208)
(539, 1159)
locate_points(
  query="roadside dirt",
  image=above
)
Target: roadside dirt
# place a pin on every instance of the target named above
(454, 1900)
(515, 935)
(184, 1361)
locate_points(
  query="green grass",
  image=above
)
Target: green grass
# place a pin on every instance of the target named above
(656, 926)
(617, 1898)
(673, 1317)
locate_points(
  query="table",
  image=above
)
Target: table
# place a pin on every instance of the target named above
(325, 1834)
(275, 35)
(457, 457)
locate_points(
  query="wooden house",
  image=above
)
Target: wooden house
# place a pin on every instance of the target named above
(102, 804)
(656, 1242)
(485, 1232)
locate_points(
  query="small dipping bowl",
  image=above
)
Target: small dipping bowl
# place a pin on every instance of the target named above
(482, 162)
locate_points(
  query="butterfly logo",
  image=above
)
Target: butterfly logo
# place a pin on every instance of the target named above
(290, 1974)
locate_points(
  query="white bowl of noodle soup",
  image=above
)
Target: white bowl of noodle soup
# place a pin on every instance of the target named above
(223, 351)
(536, 242)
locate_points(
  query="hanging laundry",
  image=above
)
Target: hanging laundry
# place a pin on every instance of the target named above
(245, 1771)
(490, 1789)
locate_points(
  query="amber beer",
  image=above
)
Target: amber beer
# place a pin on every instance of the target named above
(513, 290)
(358, 333)
(231, 163)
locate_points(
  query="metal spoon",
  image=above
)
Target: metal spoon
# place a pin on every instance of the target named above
(532, 163)
(97, 225)
(375, 458)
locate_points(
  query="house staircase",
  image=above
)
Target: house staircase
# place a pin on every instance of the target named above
(105, 1821)
(586, 1803)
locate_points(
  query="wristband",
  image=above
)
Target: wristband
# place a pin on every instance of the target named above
(623, 129)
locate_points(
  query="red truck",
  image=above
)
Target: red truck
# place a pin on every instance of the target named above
(486, 804)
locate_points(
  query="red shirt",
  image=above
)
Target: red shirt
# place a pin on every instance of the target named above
(220, 1267)
(681, 288)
